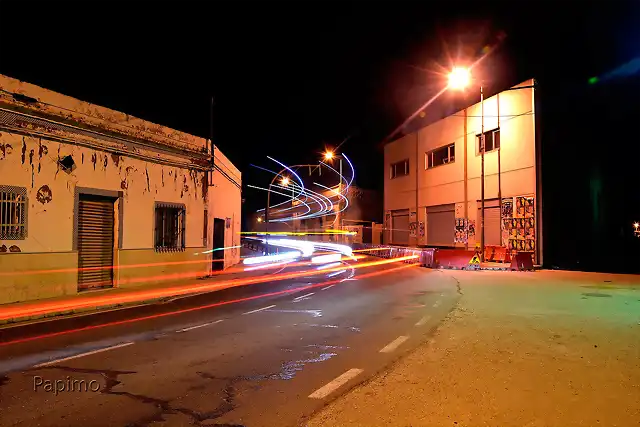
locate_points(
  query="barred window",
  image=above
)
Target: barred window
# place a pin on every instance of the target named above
(170, 227)
(13, 213)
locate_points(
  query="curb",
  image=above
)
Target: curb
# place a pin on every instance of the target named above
(24, 320)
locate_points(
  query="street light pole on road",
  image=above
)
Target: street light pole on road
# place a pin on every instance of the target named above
(460, 78)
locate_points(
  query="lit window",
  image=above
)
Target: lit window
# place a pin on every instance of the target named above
(170, 227)
(491, 140)
(13, 213)
(440, 156)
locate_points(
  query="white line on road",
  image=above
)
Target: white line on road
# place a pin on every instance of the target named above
(100, 350)
(424, 320)
(394, 344)
(198, 326)
(330, 286)
(332, 386)
(304, 296)
(260, 309)
(437, 303)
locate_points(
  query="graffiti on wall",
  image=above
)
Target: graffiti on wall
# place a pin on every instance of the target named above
(461, 230)
(421, 229)
(413, 228)
(471, 225)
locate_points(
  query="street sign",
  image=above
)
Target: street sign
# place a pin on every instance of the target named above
(475, 260)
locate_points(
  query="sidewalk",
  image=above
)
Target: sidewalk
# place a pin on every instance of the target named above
(546, 349)
(113, 298)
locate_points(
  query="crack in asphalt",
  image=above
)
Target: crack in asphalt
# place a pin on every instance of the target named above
(163, 406)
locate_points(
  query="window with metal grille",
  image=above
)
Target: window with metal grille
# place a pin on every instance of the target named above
(170, 227)
(13, 213)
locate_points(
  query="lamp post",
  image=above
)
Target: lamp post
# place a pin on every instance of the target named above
(329, 156)
(460, 78)
(284, 182)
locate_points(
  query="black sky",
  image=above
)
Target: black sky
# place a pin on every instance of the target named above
(289, 78)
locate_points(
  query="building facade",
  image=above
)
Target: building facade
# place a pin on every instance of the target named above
(94, 198)
(433, 177)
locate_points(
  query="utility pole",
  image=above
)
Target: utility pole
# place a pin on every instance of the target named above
(482, 147)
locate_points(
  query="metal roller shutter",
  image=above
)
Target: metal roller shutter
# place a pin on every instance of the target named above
(400, 227)
(491, 226)
(95, 243)
(441, 225)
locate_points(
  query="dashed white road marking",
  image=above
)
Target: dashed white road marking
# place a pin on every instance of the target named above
(394, 344)
(198, 326)
(436, 304)
(424, 320)
(330, 286)
(260, 309)
(335, 384)
(303, 296)
(100, 350)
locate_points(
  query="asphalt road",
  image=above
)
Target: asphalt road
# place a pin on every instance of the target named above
(258, 361)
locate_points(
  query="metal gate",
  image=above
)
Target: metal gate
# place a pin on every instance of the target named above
(95, 242)
(491, 226)
(441, 225)
(400, 227)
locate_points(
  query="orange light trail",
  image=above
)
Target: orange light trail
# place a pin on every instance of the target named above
(45, 308)
(189, 310)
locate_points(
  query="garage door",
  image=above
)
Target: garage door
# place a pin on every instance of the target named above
(441, 225)
(491, 225)
(95, 242)
(400, 227)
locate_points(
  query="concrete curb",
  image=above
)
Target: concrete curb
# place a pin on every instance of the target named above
(95, 309)
(20, 321)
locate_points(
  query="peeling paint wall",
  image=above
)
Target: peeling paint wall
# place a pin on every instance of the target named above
(71, 109)
(76, 144)
(51, 192)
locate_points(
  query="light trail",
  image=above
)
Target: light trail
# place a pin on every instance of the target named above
(190, 310)
(53, 307)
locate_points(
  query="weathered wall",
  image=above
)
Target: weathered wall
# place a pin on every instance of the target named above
(142, 162)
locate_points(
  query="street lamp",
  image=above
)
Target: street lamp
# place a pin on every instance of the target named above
(459, 79)
(329, 156)
(284, 181)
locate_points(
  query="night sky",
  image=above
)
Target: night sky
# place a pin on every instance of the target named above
(290, 78)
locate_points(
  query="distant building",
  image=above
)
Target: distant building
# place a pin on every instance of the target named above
(432, 183)
(94, 198)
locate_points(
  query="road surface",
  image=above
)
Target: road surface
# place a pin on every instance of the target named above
(229, 358)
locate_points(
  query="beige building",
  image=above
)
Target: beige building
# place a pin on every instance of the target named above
(94, 198)
(443, 162)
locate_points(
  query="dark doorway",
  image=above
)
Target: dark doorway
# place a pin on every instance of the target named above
(218, 243)
(367, 234)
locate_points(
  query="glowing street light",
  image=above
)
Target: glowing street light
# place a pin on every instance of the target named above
(459, 78)
(328, 155)
(284, 181)
(259, 219)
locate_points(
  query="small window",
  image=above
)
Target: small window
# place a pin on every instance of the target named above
(13, 213)
(399, 169)
(440, 156)
(170, 227)
(492, 141)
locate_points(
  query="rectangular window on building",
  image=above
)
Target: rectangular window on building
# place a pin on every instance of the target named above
(440, 156)
(170, 227)
(13, 213)
(399, 169)
(492, 141)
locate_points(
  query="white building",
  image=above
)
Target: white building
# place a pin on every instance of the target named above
(432, 190)
(94, 198)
